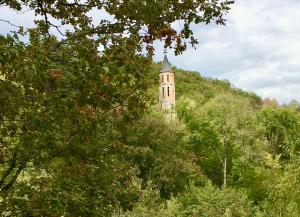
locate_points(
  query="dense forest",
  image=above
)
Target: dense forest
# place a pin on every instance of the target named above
(81, 132)
(156, 167)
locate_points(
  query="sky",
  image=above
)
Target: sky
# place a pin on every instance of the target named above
(258, 50)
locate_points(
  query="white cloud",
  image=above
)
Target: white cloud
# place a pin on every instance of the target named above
(24, 18)
(258, 50)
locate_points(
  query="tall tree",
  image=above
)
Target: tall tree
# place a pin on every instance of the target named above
(281, 130)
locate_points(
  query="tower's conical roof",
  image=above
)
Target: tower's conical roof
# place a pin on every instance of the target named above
(166, 65)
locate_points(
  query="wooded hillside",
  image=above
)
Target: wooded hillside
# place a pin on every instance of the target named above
(228, 154)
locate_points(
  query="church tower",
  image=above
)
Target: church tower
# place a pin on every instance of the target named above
(166, 87)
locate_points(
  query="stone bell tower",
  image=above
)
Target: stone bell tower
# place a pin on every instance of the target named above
(166, 87)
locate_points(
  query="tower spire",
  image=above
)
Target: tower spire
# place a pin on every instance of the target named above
(167, 87)
(166, 65)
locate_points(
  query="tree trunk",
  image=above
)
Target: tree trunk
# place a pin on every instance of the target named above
(225, 166)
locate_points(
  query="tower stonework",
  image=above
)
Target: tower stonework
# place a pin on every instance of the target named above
(167, 87)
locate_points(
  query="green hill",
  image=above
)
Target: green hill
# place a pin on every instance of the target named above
(227, 138)
(190, 84)
(76, 144)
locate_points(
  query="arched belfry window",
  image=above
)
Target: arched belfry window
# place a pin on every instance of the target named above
(167, 78)
(163, 92)
(168, 91)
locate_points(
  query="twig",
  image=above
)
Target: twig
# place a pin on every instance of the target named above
(57, 28)
(14, 25)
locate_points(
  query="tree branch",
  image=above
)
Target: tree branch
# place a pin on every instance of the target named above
(57, 28)
(13, 180)
(44, 13)
(12, 166)
(14, 25)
